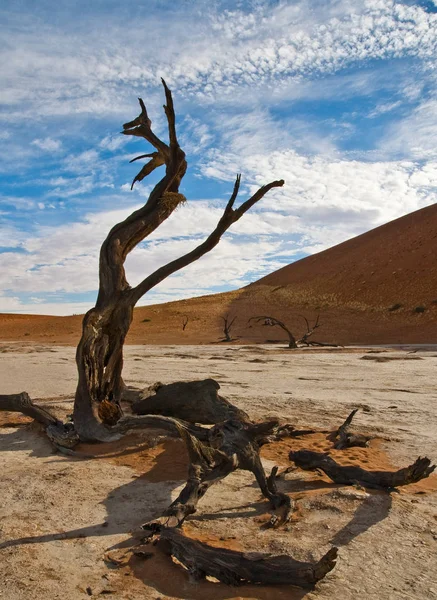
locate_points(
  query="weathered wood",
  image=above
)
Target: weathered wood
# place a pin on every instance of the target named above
(193, 401)
(59, 433)
(99, 355)
(230, 445)
(344, 438)
(236, 568)
(311, 461)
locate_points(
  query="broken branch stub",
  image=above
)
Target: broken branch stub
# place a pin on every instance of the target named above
(344, 438)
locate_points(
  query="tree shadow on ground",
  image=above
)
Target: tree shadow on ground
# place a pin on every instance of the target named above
(374, 509)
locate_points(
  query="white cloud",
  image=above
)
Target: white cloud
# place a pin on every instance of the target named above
(48, 144)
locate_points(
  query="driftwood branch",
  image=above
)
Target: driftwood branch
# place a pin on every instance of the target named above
(60, 434)
(236, 568)
(311, 461)
(344, 438)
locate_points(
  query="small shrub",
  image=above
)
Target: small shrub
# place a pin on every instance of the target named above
(419, 309)
(396, 306)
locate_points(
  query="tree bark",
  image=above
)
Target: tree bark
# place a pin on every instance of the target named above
(194, 401)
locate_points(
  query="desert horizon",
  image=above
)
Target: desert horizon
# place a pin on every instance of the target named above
(263, 175)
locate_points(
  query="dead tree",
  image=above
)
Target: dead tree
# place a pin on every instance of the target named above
(99, 354)
(184, 322)
(312, 461)
(292, 341)
(227, 325)
(272, 321)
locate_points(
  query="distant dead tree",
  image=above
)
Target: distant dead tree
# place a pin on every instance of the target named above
(272, 321)
(292, 341)
(184, 322)
(227, 324)
(309, 331)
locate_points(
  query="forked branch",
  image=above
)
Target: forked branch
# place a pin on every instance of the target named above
(230, 216)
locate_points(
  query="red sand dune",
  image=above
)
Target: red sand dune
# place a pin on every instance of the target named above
(379, 287)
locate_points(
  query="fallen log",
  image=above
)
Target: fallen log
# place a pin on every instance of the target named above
(311, 461)
(193, 401)
(235, 568)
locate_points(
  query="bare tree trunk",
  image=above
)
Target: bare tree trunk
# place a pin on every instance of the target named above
(99, 359)
(99, 355)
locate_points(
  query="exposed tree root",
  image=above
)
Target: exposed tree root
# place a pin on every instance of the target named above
(311, 461)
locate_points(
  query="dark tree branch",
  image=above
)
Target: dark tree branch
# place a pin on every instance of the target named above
(229, 217)
(231, 445)
(344, 438)
(309, 331)
(311, 461)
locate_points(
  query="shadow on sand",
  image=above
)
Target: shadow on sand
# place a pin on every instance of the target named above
(167, 472)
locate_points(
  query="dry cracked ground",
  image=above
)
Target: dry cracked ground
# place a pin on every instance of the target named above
(60, 515)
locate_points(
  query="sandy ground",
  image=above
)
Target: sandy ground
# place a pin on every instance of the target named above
(59, 515)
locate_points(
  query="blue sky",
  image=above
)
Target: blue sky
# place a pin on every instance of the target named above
(337, 97)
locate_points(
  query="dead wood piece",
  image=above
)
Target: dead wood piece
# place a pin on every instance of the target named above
(193, 401)
(230, 445)
(343, 438)
(236, 568)
(311, 461)
(60, 434)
